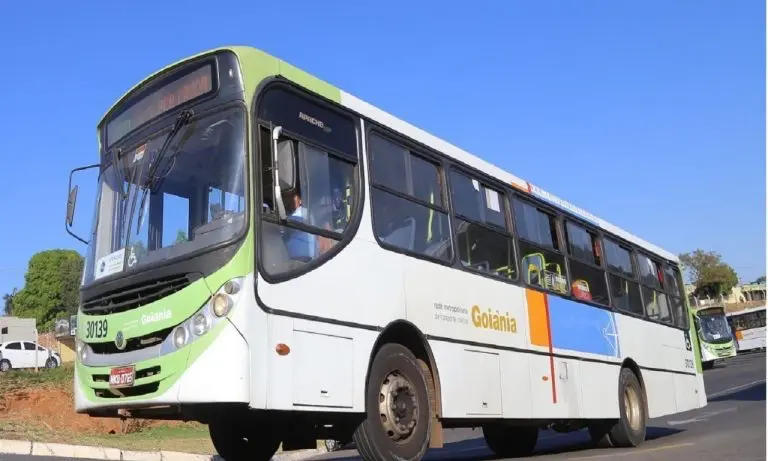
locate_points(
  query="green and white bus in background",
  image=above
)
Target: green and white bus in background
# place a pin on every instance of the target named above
(748, 326)
(287, 263)
(715, 335)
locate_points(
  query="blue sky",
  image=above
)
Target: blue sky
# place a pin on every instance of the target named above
(650, 114)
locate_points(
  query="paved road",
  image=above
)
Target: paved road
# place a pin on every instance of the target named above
(731, 426)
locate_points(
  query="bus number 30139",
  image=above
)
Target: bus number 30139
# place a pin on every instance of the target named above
(95, 329)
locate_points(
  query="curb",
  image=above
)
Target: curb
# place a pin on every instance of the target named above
(25, 447)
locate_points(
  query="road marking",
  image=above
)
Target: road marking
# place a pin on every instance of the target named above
(734, 389)
(702, 417)
(637, 452)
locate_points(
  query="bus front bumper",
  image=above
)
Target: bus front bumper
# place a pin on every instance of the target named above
(712, 352)
(213, 369)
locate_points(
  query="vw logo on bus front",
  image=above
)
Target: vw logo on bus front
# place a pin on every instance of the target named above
(120, 342)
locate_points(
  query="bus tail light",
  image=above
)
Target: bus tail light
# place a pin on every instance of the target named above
(282, 349)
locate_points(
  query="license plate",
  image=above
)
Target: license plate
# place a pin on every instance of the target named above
(122, 376)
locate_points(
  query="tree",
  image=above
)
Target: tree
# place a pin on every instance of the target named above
(51, 287)
(181, 236)
(8, 302)
(711, 276)
(760, 279)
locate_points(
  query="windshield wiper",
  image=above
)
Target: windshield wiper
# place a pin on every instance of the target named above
(119, 173)
(148, 183)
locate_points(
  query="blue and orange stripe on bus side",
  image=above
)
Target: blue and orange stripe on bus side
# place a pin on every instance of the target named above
(539, 326)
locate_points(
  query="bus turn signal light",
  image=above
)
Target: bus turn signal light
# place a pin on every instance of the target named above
(282, 349)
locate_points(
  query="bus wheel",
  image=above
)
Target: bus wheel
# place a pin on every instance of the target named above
(398, 423)
(240, 441)
(510, 441)
(629, 430)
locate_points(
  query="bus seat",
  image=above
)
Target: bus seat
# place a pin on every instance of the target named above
(580, 289)
(404, 236)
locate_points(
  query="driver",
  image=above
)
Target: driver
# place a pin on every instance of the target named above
(302, 245)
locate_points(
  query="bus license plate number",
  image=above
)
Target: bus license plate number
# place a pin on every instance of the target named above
(122, 377)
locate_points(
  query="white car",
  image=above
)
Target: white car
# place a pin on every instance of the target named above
(21, 354)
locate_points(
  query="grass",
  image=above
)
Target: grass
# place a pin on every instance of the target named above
(24, 379)
(187, 437)
(183, 437)
(191, 438)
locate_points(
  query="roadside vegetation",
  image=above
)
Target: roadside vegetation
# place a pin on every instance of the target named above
(39, 406)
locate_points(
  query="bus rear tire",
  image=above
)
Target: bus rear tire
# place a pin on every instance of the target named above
(397, 405)
(510, 441)
(237, 440)
(629, 430)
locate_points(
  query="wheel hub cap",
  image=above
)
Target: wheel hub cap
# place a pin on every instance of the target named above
(398, 407)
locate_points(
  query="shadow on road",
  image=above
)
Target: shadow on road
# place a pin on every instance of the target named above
(549, 444)
(753, 393)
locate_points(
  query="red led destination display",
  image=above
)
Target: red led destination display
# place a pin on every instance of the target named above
(190, 86)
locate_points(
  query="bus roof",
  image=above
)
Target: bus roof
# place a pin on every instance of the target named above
(368, 110)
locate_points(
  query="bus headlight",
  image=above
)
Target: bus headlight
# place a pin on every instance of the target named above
(200, 324)
(179, 336)
(221, 304)
(82, 350)
(205, 319)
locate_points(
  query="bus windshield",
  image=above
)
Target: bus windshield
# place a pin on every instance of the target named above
(195, 198)
(714, 328)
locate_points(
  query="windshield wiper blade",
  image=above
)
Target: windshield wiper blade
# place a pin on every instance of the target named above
(182, 120)
(119, 173)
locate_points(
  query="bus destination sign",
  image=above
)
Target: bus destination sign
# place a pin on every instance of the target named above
(190, 86)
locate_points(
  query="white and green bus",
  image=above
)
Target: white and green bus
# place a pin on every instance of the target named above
(716, 339)
(287, 263)
(748, 328)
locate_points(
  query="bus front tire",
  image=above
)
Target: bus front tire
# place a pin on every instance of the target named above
(398, 414)
(510, 441)
(240, 441)
(629, 430)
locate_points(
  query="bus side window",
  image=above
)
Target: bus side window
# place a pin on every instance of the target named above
(407, 200)
(542, 262)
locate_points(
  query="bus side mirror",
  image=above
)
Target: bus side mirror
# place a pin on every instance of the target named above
(283, 169)
(72, 200)
(71, 205)
(287, 165)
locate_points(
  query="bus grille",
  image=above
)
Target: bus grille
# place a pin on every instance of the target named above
(131, 297)
(132, 344)
(133, 391)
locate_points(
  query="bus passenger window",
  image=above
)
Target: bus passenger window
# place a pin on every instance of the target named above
(587, 276)
(407, 200)
(654, 300)
(625, 290)
(541, 262)
(485, 244)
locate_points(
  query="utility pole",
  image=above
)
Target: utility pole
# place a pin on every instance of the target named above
(36, 347)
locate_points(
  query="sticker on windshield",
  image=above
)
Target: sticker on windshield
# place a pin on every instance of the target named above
(132, 257)
(110, 264)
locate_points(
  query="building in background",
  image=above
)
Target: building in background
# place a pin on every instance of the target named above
(62, 340)
(744, 296)
(17, 329)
